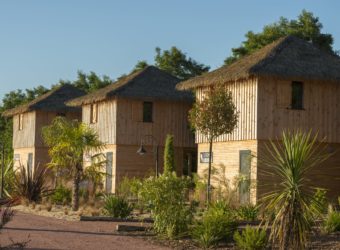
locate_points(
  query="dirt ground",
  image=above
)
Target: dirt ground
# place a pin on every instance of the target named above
(41, 232)
(50, 233)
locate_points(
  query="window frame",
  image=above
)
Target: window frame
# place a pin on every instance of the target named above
(145, 115)
(297, 104)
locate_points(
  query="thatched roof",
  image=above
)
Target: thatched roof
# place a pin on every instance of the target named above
(150, 82)
(289, 57)
(53, 101)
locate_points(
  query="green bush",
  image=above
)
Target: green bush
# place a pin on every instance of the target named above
(321, 200)
(248, 212)
(117, 207)
(129, 187)
(166, 197)
(332, 221)
(251, 239)
(61, 195)
(217, 223)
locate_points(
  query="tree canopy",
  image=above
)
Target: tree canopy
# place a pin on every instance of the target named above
(175, 62)
(306, 26)
(213, 116)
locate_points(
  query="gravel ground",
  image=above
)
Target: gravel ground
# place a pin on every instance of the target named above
(51, 233)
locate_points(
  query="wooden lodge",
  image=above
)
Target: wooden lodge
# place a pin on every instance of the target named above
(30, 118)
(141, 108)
(287, 85)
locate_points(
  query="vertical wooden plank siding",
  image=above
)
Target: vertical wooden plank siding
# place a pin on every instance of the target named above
(244, 95)
(168, 118)
(106, 120)
(320, 109)
(44, 118)
(24, 138)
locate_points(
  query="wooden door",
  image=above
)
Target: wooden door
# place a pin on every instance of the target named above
(244, 185)
(108, 181)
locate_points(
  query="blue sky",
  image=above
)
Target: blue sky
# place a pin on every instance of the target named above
(44, 41)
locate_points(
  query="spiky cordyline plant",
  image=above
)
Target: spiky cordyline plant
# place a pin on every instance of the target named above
(293, 202)
(31, 186)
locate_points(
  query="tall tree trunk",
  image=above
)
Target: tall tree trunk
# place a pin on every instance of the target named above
(209, 172)
(75, 190)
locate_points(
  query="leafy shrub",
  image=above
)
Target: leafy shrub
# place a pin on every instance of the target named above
(332, 221)
(248, 212)
(251, 239)
(321, 200)
(117, 207)
(166, 196)
(217, 223)
(129, 187)
(31, 187)
(61, 195)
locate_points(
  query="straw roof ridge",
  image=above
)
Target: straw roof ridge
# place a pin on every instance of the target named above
(150, 82)
(53, 101)
(288, 57)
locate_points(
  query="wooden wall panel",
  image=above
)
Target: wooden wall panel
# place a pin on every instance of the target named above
(131, 164)
(168, 118)
(226, 155)
(24, 138)
(321, 109)
(44, 118)
(244, 95)
(106, 120)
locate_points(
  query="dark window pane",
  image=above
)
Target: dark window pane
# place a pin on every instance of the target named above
(297, 95)
(147, 112)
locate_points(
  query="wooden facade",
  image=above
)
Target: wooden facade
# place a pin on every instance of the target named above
(27, 136)
(120, 126)
(264, 106)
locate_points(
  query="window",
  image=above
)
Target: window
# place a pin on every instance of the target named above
(21, 120)
(147, 111)
(297, 95)
(94, 113)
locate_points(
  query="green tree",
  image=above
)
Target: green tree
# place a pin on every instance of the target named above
(169, 155)
(68, 141)
(89, 82)
(175, 62)
(140, 65)
(294, 204)
(307, 27)
(213, 116)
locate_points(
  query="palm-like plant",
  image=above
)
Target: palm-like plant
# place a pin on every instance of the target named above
(68, 141)
(95, 173)
(293, 203)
